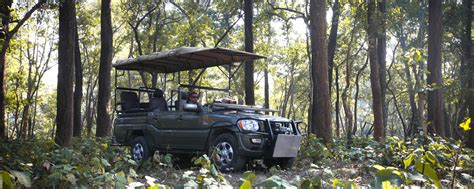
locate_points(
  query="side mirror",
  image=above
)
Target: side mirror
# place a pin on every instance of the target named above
(191, 107)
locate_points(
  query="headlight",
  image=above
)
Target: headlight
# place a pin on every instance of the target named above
(248, 125)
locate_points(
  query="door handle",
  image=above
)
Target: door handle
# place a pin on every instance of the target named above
(180, 117)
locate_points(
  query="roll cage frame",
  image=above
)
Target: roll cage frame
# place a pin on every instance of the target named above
(178, 60)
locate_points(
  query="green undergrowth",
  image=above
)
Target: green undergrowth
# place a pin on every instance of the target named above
(93, 163)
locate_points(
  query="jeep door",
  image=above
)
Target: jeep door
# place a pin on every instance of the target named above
(191, 133)
(165, 123)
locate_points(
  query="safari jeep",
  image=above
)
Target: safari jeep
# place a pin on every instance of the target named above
(161, 119)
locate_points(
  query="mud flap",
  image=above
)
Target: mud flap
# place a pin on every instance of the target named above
(287, 146)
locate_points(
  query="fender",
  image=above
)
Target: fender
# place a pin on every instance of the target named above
(218, 128)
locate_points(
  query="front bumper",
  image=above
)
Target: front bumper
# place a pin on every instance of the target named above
(271, 145)
(248, 148)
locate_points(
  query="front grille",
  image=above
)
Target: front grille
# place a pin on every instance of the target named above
(281, 128)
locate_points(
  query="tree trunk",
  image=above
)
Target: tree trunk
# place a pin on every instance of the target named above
(292, 95)
(419, 84)
(468, 54)
(411, 93)
(266, 90)
(332, 44)
(249, 67)
(103, 108)
(338, 105)
(382, 51)
(78, 85)
(6, 43)
(65, 100)
(377, 104)
(356, 96)
(266, 103)
(29, 97)
(347, 110)
(434, 78)
(346, 91)
(345, 102)
(321, 107)
(5, 10)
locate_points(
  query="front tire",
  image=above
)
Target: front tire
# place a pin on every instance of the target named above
(225, 154)
(139, 149)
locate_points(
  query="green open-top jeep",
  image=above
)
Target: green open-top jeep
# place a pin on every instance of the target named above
(149, 121)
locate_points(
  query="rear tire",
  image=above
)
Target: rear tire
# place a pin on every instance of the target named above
(283, 163)
(224, 152)
(139, 149)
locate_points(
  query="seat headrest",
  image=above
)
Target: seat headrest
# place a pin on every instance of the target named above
(158, 93)
(129, 95)
(184, 95)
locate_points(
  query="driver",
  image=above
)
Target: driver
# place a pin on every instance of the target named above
(193, 98)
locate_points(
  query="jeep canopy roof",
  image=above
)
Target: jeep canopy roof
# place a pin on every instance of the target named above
(185, 58)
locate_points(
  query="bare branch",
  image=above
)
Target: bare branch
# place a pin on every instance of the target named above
(144, 16)
(299, 13)
(26, 17)
(227, 31)
(180, 9)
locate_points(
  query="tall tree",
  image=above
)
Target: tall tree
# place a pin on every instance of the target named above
(266, 87)
(434, 77)
(332, 44)
(78, 84)
(249, 67)
(103, 108)
(320, 105)
(381, 53)
(468, 54)
(374, 73)
(66, 58)
(6, 35)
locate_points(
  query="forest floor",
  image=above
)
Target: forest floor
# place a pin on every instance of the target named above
(353, 171)
(92, 163)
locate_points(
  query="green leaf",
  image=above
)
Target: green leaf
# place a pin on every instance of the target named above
(132, 173)
(23, 178)
(427, 170)
(245, 184)
(407, 162)
(388, 174)
(316, 182)
(56, 176)
(275, 182)
(466, 125)
(378, 167)
(386, 185)
(305, 184)
(105, 162)
(6, 180)
(431, 158)
(418, 56)
(214, 172)
(336, 183)
(250, 176)
(67, 168)
(168, 159)
(120, 180)
(415, 177)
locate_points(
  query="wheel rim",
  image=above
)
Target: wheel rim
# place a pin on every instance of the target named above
(225, 153)
(137, 152)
